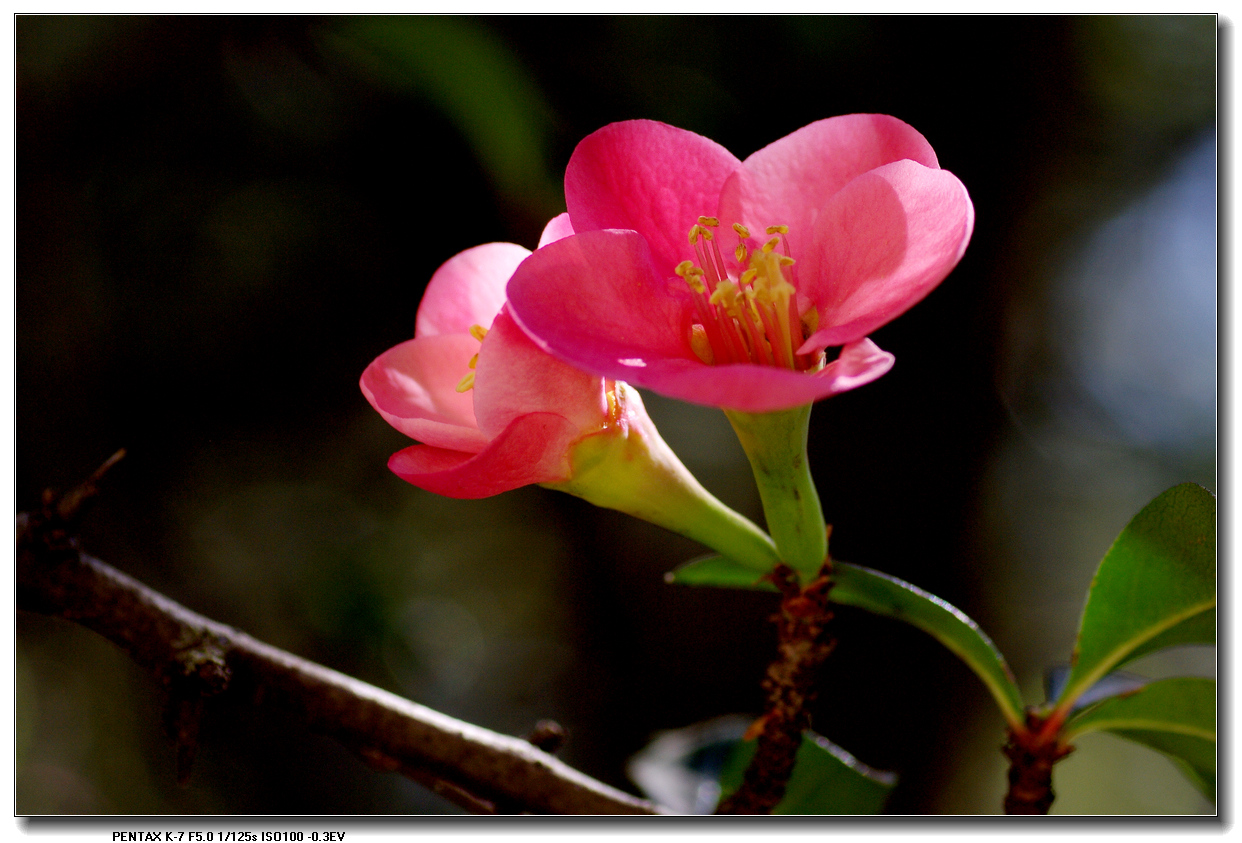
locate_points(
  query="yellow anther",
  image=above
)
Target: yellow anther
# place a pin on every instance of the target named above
(771, 244)
(694, 234)
(706, 232)
(693, 276)
(748, 276)
(740, 253)
(786, 260)
(810, 322)
(474, 361)
(684, 267)
(478, 332)
(777, 229)
(466, 383)
(742, 231)
(710, 221)
(700, 344)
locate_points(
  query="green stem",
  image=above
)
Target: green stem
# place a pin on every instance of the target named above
(775, 443)
(633, 470)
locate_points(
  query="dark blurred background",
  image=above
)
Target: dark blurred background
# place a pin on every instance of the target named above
(222, 220)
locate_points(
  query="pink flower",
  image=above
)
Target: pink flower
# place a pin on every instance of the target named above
(492, 410)
(836, 230)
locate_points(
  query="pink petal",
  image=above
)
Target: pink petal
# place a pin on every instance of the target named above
(558, 228)
(515, 377)
(413, 386)
(880, 245)
(468, 289)
(790, 180)
(596, 301)
(761, 389)
(648, 177)
(533, 449)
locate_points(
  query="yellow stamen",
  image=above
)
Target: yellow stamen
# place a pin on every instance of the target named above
(780, 292)
(781, 230)
(478, 332)
(466, 383)
(746, 308)
(474, 361)
(614, 404)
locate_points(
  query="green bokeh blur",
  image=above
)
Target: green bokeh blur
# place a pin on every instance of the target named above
(221, 221)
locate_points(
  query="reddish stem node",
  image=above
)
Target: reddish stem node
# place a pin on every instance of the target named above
(1032, 750)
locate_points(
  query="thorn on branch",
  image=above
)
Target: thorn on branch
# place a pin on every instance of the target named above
(547, 735)
(71, 504)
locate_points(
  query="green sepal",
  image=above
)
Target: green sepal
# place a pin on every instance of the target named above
(882, 594)
(825, 780)
(718, 571)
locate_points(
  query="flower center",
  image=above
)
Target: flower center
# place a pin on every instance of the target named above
(751, 317)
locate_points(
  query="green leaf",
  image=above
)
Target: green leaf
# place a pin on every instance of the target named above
(1196, 629)
(1175, 716)
(1156, 587)
(894, 598)
(826, 779)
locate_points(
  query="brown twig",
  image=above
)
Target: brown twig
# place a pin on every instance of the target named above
(1031, 752)
(804, 643)
(196, 658)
